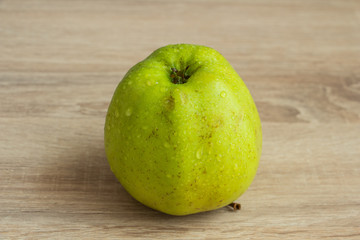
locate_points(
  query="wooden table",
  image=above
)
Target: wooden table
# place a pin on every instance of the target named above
(60, 62)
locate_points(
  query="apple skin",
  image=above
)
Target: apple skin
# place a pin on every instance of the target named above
(183, 148)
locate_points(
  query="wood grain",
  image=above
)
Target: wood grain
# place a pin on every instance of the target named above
(60, 62)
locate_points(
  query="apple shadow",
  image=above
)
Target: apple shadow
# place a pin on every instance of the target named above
(79, 182)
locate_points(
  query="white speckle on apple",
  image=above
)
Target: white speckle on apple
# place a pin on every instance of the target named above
(128, 112)
(166, 144)
(199, 153)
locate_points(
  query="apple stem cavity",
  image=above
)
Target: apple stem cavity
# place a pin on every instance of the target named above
(235, 206)
(179, 77)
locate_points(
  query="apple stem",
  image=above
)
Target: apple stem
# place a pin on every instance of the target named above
(235, 206)
(179, 77)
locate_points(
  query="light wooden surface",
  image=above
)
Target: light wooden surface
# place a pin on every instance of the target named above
(60, 62)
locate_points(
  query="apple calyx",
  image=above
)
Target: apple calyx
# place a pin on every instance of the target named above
(179, 77)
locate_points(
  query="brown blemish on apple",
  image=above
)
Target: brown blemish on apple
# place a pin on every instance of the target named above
(154, 133)
(170, 103)
(216, 123)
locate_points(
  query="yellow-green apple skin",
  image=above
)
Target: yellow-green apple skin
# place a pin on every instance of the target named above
(182, 132)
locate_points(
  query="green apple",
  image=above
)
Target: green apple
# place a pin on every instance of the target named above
(182, 132)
